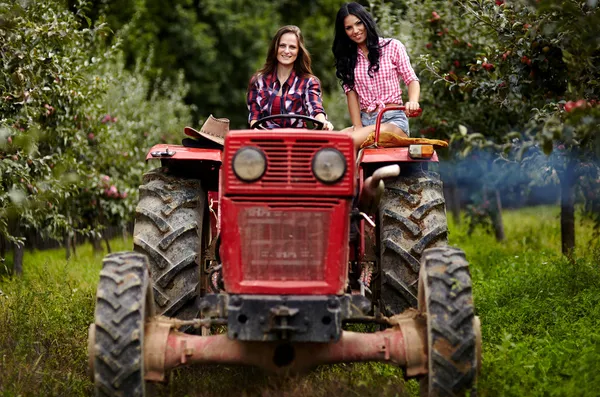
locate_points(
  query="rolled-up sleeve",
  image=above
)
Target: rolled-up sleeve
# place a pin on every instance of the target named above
(313, 98)
(402, 62)
(253, 99)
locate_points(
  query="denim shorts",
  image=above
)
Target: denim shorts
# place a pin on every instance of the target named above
(396, 117)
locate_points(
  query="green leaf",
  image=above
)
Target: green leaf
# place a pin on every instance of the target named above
(466, 151)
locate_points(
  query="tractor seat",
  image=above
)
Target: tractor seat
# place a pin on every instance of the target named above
(389, 139)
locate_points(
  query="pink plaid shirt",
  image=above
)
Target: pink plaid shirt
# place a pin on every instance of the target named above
(384, 87)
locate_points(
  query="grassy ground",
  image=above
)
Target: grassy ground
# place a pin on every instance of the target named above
(540, 316)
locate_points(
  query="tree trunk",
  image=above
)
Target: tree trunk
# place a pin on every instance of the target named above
(97, 245)
(497, 217)
(74, 246)
(495, 212)
(107, 242)
(19, 250)
(453, 199)
(567, 209)
(455, 194)
(34, 241)
(2, 248)
(18, 259)
(67, 246)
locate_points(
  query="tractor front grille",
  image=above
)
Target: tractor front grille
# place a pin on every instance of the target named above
(289, 164)
(285, 242)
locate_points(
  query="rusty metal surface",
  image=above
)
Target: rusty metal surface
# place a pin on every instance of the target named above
(373, 188)
(183, 349)
(401, 345)
(157, 333)
(413, 325)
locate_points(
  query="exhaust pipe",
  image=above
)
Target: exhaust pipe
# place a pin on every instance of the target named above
(373, 188)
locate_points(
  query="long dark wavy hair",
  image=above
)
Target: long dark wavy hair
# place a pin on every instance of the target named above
(344, 49)
(302, 64)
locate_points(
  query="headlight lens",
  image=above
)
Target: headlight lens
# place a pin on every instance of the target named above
(249, 164)
(329, 165)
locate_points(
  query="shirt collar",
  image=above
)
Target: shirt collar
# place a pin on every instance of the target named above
(360, 53)
(288, 82)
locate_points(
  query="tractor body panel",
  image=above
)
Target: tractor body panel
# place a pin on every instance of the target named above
(287, 232)
(283, 245)
(176, 152)
(390, 155)
(289, 155)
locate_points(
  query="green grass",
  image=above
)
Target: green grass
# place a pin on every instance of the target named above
(540, 318)
(540, 312)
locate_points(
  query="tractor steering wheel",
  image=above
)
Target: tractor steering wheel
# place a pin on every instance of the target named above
(261, 123)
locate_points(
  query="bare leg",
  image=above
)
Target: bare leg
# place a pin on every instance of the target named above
(359, 135)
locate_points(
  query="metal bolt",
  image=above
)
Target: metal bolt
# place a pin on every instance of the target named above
(235, 300)
(365, 306)
(333, 303)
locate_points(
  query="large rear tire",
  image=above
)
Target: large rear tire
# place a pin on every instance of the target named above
(168, 230)
(453, 338)
(116, 338)
(412, 218)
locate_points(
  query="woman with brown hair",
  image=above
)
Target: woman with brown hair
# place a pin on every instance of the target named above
(286, 84)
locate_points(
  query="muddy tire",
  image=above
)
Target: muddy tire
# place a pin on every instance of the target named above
(116, 338)
(168, 230)
(412, 218)
(453, 338)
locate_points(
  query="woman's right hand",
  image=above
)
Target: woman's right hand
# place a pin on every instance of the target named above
(412, 106)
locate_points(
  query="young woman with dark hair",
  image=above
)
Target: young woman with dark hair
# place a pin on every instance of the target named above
(286, 84)
(370, 68)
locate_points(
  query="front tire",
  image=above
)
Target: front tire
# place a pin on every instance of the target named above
(453, 338)
(116, 344)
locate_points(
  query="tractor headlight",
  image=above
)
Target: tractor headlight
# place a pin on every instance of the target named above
(329, 165)
(249, 164)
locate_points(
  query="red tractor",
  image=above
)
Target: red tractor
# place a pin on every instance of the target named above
(286, 237)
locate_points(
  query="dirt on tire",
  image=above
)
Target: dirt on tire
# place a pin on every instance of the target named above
(168, 229)
(123, 301)
(412, 218)
(445, 294)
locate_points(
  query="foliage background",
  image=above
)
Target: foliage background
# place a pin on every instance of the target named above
(89, 85)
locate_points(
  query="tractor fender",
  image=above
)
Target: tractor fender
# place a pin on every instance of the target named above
(390, 155)
(177, 152)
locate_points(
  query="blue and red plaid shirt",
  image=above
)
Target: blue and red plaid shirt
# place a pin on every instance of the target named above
(300, 95)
